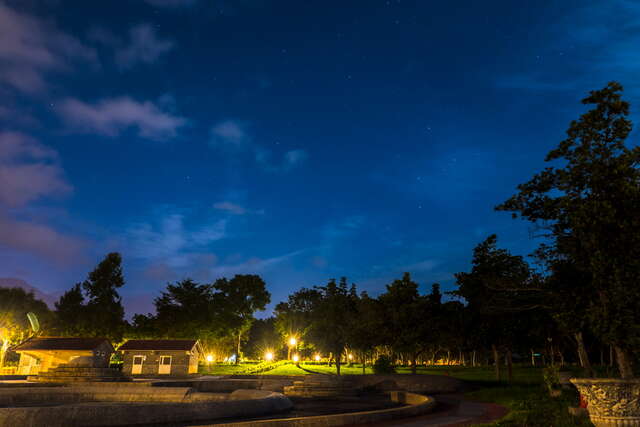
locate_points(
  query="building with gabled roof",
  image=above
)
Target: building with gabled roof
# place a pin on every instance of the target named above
(44, 353)
(160, 357)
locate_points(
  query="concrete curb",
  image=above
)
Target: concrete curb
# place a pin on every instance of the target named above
(246, 403)
(417, 405)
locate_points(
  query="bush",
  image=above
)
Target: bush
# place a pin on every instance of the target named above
(551, 377)
(384, 365)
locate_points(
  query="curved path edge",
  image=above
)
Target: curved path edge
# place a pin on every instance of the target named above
(417, 405)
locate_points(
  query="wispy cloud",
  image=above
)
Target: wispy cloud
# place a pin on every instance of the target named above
(169, 240)
(112, 116)
(234, 136)
(229, 133)
(144, 47)
(28, 171)
(230, 207)
(254, 265)
(29, 48)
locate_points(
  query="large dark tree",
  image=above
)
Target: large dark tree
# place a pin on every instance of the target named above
(589, 200)
(491, 301)
(241, 297)
(332, 316)
(406, 318)
(104, 305)
(102, 315)
(295, 316)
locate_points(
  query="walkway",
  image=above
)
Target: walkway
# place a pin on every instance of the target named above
(453, 410)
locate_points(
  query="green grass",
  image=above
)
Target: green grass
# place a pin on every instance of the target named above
(531, 405)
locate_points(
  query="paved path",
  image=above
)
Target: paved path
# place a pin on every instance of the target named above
(453, 410)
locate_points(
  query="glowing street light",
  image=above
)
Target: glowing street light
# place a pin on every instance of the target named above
(317, 357)
(350, 356)
(296, 358)
(209, 358)
(269, 356)
(292, 345)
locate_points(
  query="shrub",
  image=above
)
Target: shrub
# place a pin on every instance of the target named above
(551, 377)
(384, 365)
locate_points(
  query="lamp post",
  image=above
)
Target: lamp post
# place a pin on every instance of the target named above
(292, 344)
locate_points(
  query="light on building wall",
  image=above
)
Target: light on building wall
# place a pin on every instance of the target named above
(296, 358)
(350, 356)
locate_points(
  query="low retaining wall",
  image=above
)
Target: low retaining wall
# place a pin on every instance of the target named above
(426, 384)
(108, 393)
(159, 407)
(227, 385)
(417, 405)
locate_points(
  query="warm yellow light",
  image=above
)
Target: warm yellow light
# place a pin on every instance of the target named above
(268, 356)
(293, 341)
(317, 357)
(350, 356)
(296, 358)
(209, 358)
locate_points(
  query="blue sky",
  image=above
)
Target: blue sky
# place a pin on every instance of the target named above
(300, 141)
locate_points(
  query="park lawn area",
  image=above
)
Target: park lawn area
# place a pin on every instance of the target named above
(222, 369)
(531, 405)
(306, 369)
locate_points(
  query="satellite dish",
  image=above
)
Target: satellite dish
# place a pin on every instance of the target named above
(33, 319)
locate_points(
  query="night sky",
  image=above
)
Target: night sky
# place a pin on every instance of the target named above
(298, 140)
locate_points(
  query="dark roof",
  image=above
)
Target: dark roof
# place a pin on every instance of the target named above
(56, 343)
(158, 345)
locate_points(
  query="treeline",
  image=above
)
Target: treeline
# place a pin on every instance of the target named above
(581, 301)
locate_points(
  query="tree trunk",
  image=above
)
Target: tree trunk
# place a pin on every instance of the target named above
(533, 358)
(238, 353)
(414, 365)
(338, 357)
(364, 363)
(625, 365)
(583, 355)
(509, 365)
(3, 351)
(610, 355)
(448, 357)
(473, 359)
(496, 361)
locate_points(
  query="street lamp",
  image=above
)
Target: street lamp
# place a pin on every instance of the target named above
(269, 356)
(292, 344)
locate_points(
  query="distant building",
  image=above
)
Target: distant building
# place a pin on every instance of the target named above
(160, 357)
(41, 354)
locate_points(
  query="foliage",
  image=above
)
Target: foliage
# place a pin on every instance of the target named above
(332, 316)
(294, 317)
(589, 203)
(15, 306)
(551, 377)
(102, 315)
(383, 365)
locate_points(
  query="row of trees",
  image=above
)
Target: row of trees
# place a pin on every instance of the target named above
(219, 314)
(584, 295)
